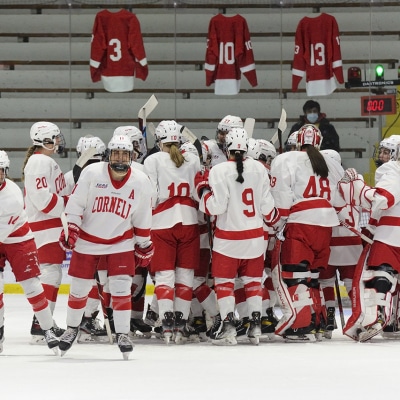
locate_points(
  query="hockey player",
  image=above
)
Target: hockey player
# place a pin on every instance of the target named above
(346, 248)
(303, 184)
(376, 273)
(18, 247)
(175, 230)
(107, 194)
(214, 150)
(45, 198)
(238, 193)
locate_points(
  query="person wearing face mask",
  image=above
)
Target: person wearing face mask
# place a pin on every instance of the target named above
(313, 115)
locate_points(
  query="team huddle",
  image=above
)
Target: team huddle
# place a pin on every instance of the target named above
(226, 236)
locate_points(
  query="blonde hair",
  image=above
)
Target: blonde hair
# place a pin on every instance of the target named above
(175, 154)
(29, 152)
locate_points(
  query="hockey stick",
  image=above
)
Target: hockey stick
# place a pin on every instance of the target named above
(104, 309)
(358, 233)
(282, 125)
(144, 112)
(339, 300)
(81, 162)
(64, 225)
(189, 135)
(249, 126)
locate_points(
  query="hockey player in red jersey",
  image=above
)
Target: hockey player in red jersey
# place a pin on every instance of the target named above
(229, 54)
(117, 52)
(303, 184)
(238, 193)
(17, 245)
(175, 229)
(317, 55)
(46, 193)
(114, 195)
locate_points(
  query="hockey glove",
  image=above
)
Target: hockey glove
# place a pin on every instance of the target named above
(349, 175)
(73, 234)
(143, 256)
(201, 182)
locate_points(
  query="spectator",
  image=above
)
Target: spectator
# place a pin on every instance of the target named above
(313, 115)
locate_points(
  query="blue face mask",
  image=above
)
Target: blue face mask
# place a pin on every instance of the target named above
(312, 117)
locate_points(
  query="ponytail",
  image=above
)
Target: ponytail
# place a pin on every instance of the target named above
(239, 165)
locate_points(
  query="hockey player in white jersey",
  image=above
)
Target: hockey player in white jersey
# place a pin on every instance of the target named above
(109, 214)
(175, 230)
(303, 184)
(45, 198)
(238, 193)
(214, 150)
(17, 245)
(376, 273)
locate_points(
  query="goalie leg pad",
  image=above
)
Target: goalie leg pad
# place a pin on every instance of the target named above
(291, 285)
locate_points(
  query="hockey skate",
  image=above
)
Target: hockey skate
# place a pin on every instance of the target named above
(225, 333)
(370, 331)
(90, 330)
(242, 326)
(1, 338)
(67, 339)
(184, 332)
(300, 335)
(124, 344)
(200, 327)
(139, 329)
(151, 317)
(330, 323)
(51, 340)
(168, 326)
(254, 331)
(268, 324)
(38, 334)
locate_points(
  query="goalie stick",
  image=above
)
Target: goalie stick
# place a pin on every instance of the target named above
(339, 300)
(282, 125)
(144, 112)
(249, 126)
(358, 233)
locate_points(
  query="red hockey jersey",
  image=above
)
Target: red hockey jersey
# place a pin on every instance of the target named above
(317, 55)
(117, 51)
(229, 54)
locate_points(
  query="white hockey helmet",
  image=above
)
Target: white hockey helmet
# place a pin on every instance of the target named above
(332, 154)
(229, 122)
(309, 134)
(4, 163)
(267, 151)
(97, 143)
(168, 131)
(237, 140)
(391, 143)
(79, 144)
(119, 142)
(132, 132)
(188, 147)
(43, 133)
(253, 150)
(292, 139)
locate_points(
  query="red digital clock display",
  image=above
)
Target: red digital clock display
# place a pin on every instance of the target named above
(378, 105)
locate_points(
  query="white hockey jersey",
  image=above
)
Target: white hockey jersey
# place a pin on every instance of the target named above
(300, 194)
(239, 208)
(173, 189)
(211, 151)
(112, 215)
(45, 187)
(117, 52)
(229, 54)
(14, 227)
(317, 55)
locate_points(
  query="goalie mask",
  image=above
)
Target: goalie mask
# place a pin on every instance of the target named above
(44, 134)
(135, 137)
(309, 134)
(120, 150)
(387, 150)
(4, 166)
(237, 140)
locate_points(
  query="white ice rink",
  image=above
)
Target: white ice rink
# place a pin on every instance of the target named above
(333, 369)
